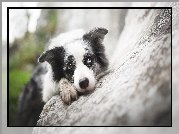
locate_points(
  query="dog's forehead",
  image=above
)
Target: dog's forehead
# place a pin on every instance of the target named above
(76, 48)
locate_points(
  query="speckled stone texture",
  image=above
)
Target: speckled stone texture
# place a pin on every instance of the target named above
(137, 91)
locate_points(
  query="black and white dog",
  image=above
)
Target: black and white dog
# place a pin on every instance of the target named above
(71, 63)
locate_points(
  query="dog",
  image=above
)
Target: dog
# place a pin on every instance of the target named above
(71, 64)
(77, 60)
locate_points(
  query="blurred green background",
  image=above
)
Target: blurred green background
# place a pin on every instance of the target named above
(23, 55)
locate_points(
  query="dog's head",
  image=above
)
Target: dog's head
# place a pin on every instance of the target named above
(80, 60)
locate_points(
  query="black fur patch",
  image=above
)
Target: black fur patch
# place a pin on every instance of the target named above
(94, 38)
(55, 57)
(69, 67)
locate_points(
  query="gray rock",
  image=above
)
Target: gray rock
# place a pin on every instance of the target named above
(137, 91)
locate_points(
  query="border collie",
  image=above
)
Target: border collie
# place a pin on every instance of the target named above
(71, 64)
(74, 60)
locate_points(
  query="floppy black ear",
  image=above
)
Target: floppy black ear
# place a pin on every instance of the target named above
(95, 35)
(51, 55)
(42, 57)
(55, 57)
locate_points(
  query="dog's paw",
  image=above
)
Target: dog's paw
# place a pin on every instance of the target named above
(67, 91)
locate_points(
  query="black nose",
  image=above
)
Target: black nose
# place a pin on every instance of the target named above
(84, 83)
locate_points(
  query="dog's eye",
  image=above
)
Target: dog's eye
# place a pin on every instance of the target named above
(88, 62)
(70, 66)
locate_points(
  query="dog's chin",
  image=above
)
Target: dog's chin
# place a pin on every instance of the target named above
(88, 89)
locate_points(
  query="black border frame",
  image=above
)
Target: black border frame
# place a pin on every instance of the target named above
(78, 8)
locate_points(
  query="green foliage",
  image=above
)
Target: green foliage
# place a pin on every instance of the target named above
(53, 21)
(17, 80)
(27, 54)
(23, 60)
(46, 32)
(32, 45)
(21, 65)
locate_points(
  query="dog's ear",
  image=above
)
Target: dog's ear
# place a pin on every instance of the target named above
(42, 57)
(55, 57)
(94, 39)
(95, 35)
(51, 55)
(46, 56)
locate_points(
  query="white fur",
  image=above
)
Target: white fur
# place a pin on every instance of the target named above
(81, 72)
(49, 86)
(75, 48)
(65, 38)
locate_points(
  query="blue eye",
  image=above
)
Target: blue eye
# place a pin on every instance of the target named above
(89, 62)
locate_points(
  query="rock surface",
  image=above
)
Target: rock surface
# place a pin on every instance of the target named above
(137, 91)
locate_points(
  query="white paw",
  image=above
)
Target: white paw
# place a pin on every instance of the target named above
(67, 91)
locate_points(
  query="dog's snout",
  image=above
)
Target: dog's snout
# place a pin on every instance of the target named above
(84, 83)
